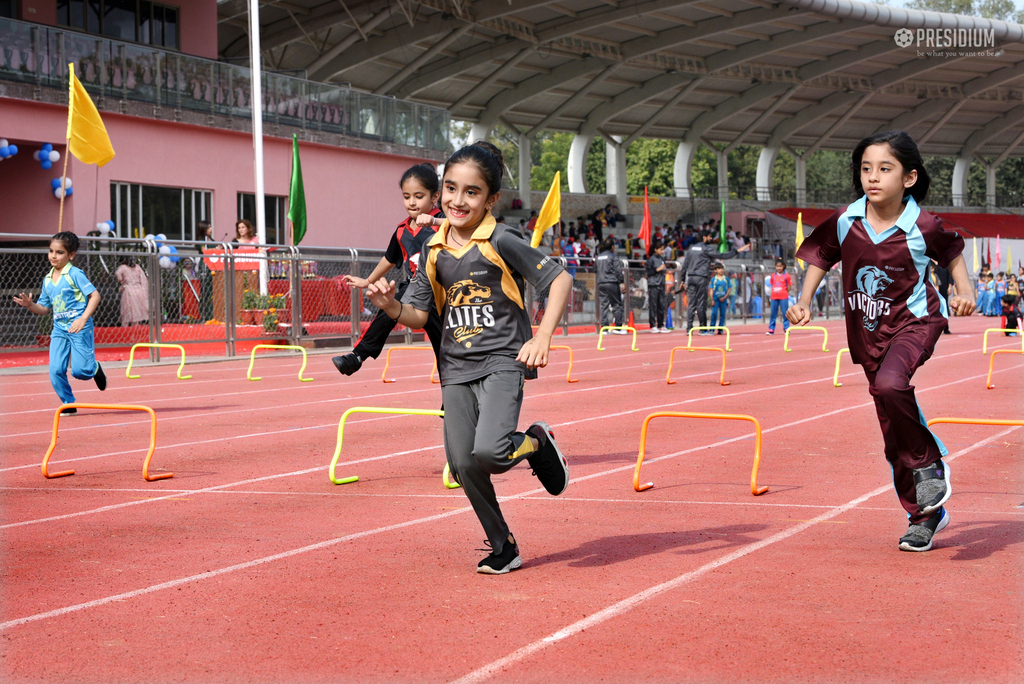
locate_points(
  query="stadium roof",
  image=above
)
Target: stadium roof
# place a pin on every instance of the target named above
(807, 74)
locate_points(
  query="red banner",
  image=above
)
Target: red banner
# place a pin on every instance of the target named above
(214, 259)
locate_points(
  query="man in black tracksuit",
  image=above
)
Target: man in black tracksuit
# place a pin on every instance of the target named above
(609, 279)
(697, 269)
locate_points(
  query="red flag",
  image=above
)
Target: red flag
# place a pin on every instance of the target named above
(988, 252)
(645, 225)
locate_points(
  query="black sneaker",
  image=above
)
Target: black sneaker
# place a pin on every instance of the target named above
(69, 412)
(501, 563)
(347, 364)
(919, 535)
(547, 462)
(100, 377)
(932, 486)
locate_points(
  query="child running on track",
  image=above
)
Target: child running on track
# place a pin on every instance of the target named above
(894, 315)
(73, 299)
(474, 270)
(420, 193)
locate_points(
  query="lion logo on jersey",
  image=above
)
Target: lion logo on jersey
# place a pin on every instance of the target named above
(466, 292)
(871, 281)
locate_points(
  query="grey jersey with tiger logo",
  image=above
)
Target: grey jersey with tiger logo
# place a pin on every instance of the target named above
(479, 292)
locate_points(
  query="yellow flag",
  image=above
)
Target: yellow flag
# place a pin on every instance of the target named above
(799, 234)
(551, 212)
(87, 136)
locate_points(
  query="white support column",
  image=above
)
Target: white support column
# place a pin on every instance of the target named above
(960, 171)
(765, 167)
(616, 170)
(723, 174)
(990, 188)
(525, 165)
(577, 170)
(683, 166)
(481, 130)
(801, 180)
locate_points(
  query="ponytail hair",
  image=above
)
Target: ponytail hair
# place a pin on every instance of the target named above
(487, 158)
(425, 174)
(907, 154)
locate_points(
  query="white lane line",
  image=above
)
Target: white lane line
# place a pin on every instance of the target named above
(619, 608)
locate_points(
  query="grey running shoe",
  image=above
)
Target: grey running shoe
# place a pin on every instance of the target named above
(933, 487)
(548, 463)
(919, 535)
(501, 563)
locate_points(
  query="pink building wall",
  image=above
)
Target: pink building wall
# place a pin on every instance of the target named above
(352, 197)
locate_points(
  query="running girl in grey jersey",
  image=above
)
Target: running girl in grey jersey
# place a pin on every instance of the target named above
(474, 270)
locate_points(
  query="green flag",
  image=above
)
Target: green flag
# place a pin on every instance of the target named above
(722, 246)
(297, 196)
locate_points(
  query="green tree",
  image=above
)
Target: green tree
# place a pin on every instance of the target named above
(597, 167)
(649, 162)
(550, 153)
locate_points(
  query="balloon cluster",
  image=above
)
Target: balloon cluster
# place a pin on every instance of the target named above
(105, 227)
(7, 149)
(168, 253)
(47, 156)
(58, 190)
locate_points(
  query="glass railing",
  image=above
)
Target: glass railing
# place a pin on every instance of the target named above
(37, 54)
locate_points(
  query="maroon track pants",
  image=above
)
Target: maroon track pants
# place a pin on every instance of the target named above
(909, 444)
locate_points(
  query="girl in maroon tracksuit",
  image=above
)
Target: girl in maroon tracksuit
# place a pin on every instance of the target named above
(894, 315)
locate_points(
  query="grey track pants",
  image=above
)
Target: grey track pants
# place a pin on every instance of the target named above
(609, 300)
(480, 440)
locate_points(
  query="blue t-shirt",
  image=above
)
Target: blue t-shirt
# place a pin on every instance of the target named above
(719, 287)
(67, 297)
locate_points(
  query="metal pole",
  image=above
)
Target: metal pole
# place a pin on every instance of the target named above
(256, 105)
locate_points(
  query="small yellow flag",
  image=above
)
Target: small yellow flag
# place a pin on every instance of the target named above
(551, 212)
(799, 234)
(87, 136)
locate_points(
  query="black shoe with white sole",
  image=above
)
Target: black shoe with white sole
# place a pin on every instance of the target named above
(919, 535)
(548, 463)
(501, 563)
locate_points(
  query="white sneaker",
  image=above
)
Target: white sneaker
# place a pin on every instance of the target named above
(666, 330)
(655, 330)
(620, 331)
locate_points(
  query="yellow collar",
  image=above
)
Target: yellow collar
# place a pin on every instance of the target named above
(482, 232)
(67, 267)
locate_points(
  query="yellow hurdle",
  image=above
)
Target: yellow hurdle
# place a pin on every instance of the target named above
(112, 407)
(627, 328)
(1020, 334)
(671, 359)
(835, 378)
(754, 489)
(568, 375)
(131, 358)
(252, 359)
(389, 411)
(991, 360)
(824, 345)
(387, 363)
(728, 335)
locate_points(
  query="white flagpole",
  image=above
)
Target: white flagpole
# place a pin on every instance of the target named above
(256, 104)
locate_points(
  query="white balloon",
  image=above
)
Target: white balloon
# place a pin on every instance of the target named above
(164, 249)
(67, 182)
(102, 227)
(35, 155)
(148, 236)
(161, 237)
(165, 262)
(3, 142)
(54, 155)
(58, 192)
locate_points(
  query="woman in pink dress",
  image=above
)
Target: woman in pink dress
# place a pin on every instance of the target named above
(134, 292)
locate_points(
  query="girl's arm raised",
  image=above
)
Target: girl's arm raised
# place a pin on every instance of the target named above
(800, 313)
(382, 294)
(535, 352)
(382, 267)
(961, 304)
(26, 301)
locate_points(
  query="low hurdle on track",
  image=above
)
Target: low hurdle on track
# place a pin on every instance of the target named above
(728, 335)
(627, 328)
(388, 411)
(839, 355)
(754, 489)
(568, 375)
(671, 359)
(824, 345)
(131, 358)
(111, 407)
(387, 362)
(1020, 334)
(991, 360)
(252, 359)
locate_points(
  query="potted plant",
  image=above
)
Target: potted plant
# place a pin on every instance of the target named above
(250, 302)
(270, 321)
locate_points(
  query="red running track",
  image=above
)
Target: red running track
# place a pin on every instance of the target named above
(249, 565)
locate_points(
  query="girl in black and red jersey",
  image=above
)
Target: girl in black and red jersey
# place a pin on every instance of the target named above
(894, 315)
(420, 193)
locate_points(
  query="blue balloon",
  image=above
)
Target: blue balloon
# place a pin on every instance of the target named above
(13, 149)
(46, 164)
(55, 183)
(47, 147)
(69, 192)
(5, 152)
(111, 224)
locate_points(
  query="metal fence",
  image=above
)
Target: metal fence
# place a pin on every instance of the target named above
(220, 299)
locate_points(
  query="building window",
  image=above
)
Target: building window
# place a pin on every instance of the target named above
(274, 208)
(139, 210)
(7, 9)
(136, 21)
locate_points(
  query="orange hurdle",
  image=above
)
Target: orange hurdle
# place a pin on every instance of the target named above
(568, 376)
(387, 363)
(114, 407)
(754, 489)
(671, 358)
(991, 359)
